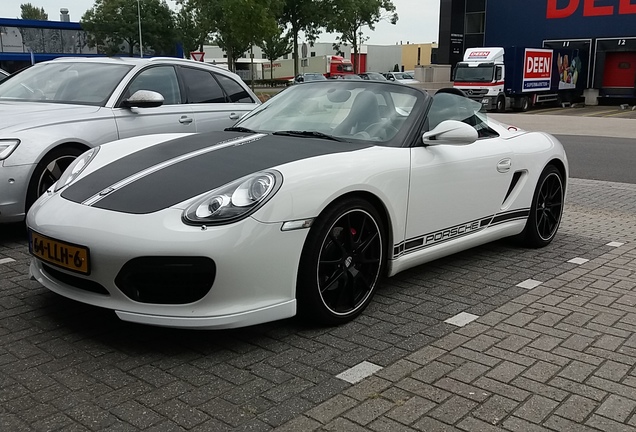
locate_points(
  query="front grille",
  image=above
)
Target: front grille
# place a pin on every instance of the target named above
(166, 280)
(74, 281)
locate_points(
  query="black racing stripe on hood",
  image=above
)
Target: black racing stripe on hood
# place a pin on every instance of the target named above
(141, 160)
(209, 171)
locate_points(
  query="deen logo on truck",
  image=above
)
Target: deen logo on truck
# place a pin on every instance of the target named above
(537, 70)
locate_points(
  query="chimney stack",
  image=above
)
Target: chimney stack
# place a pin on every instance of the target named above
(64, 16)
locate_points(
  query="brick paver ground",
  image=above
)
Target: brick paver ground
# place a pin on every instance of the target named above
(557, 357)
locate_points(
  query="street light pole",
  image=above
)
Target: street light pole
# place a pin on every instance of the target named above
(141, 46)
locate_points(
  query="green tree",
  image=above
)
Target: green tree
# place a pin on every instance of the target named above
(275, 45)
(348, 17)
(30, 12)
(113, 23)
(243, 23)
(194, 25)
(306, 16)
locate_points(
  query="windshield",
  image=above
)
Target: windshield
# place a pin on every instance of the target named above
(479, 73)
(347, 110)
(84, 83)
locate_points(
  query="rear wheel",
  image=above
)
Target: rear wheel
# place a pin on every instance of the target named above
(49, 170)
(341, 263)
(546, 209)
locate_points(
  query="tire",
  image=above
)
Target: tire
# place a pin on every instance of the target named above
(525, 104)
(48, 171)
(501, 104)
(546, 209)
(341, 263)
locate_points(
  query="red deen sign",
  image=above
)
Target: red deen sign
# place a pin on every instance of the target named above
(566, 8)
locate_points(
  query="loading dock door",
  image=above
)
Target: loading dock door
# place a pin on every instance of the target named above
(620, 71)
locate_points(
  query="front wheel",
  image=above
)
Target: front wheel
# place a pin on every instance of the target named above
(341, 263)
(546, 209)
(48, 171)
(501, 104)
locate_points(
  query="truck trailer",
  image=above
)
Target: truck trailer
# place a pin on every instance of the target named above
(327, 65)
(520, 77)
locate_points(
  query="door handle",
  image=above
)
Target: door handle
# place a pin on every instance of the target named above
(185, 120)
(234, 116)
(504, 165)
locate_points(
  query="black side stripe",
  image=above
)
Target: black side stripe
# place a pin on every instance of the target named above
(457, 231)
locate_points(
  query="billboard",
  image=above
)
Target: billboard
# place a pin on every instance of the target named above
(537, 69)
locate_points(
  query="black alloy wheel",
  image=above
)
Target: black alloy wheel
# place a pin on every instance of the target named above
(342, 261)
(546, 210)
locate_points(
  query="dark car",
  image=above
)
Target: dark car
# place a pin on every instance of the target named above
(312, 76)
(345, 77)
(372, 76)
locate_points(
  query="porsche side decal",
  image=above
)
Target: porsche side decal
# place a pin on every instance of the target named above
(172, 180)
(456, 231)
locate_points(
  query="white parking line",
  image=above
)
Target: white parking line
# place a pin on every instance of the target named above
(578, 260)
(359, 372)
(6, 260)
(529, 284)
(615, 244)
(461, 319)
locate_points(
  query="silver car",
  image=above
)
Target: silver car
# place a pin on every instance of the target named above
(3, 74)
(56, 110)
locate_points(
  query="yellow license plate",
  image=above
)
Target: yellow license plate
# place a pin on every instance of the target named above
(66, 255)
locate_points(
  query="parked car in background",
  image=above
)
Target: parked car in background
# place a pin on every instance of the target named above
(54, 111)
(401, 77)
(310, 76)
(372, 76)
(345, 77)
(3, 74)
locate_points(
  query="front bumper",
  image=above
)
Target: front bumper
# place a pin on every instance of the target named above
(256, 263)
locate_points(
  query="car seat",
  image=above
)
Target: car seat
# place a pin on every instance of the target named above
(363, 113)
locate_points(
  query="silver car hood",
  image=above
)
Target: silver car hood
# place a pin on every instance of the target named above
(20, 116)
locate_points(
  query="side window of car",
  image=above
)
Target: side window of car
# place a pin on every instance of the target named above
(450, 106)
(160, 79)
(234, 90)
(202, 87)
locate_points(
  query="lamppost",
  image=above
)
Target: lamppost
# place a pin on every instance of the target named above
(141, 46)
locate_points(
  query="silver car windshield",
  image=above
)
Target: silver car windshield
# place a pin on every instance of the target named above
(82, 83)
(346, 110)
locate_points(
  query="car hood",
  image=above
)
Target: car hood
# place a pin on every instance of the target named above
(18, 116)
(176, 170)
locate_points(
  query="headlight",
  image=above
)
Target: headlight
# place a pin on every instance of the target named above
(235, 200)
(75, 168)
(7, 146)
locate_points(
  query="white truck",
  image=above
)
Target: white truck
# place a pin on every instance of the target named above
(519, 77)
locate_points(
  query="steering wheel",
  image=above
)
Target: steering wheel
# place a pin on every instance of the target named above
(387, 129)
(34, 93)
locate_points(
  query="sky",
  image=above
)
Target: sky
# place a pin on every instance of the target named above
(418, 19)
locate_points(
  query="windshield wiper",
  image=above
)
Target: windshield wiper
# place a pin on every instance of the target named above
(239, 129)
(310, 134)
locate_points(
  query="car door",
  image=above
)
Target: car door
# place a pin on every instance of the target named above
(172, 116)
(456, 189)
(214, 107)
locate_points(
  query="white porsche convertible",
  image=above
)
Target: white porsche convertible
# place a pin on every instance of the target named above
(299, 209)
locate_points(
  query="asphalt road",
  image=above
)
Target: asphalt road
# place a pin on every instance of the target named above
(601, 158)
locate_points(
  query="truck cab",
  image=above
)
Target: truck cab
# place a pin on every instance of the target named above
(481, 76)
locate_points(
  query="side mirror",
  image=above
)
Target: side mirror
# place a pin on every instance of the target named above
(143, 99)
(450, 132)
